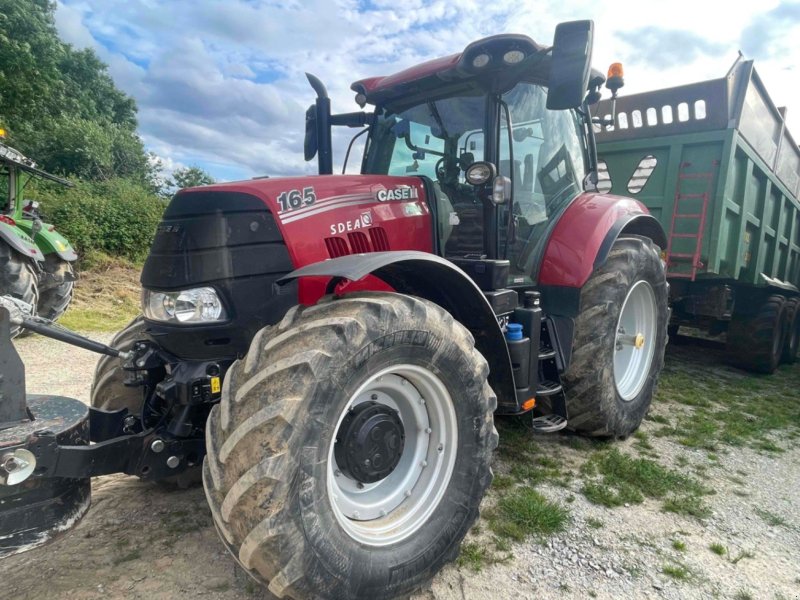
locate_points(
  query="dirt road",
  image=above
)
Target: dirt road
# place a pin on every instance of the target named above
(740, 540)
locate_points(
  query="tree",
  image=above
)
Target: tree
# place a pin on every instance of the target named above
(59, 103)
(190, 177)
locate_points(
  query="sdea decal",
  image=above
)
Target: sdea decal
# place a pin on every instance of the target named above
(400, 193)
(364, 220)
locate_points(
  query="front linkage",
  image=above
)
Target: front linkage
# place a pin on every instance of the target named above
(65, 442)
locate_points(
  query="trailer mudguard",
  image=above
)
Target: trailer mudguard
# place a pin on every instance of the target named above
(19, 241)
(438, 280)
(48, 240)
(585, 233)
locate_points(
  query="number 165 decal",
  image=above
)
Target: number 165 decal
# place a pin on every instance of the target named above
(294, 199)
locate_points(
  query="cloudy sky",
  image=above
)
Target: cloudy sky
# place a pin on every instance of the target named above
(220, 83)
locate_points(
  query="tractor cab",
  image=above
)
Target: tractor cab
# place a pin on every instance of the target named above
(499, 133)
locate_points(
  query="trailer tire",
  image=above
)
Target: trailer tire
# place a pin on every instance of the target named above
(755, 342)
(55, 287)
(792, 344)
(609, 386)
(17, 279)
(273, 473)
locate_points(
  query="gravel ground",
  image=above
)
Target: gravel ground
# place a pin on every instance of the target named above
(140, 541)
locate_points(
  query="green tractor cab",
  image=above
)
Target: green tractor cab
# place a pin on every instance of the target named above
(35, 260)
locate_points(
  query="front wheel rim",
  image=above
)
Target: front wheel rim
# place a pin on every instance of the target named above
(392, 509)
(635, 340)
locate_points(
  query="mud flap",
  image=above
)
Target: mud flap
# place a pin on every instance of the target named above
(38, 509)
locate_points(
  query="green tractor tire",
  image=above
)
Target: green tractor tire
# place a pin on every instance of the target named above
(55, 287)
(18, 279)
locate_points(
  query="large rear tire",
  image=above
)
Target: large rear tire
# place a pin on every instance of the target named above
(55, 287)
(792, 344)
(17, 279)
(293, 495)
(620, 337)
(755, 342)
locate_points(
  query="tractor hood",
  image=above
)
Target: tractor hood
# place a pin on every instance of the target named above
(326, 216)
(240, 238)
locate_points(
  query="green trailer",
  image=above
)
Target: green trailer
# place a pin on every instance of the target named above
(715, 163)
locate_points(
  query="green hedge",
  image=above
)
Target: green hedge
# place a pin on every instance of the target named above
(117, 217)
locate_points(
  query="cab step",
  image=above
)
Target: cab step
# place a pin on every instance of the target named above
(548, 423)
(548, 388)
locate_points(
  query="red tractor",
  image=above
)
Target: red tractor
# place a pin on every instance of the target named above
(337, 346)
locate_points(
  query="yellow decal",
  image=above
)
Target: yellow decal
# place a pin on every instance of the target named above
(215, 385)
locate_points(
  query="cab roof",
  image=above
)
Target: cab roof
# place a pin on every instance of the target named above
(451, 68)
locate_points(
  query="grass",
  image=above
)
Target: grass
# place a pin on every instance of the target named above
(738, 411)
(677, 571)
(679, 545)
(742, 555)
(524, 512)
(616, 479)
(743, 595)
(771, 518)
(718, 549)
(133, 554)
(593, 523)
(472, 556)
(107, 295)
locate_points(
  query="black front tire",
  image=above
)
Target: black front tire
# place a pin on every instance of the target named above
(594, 403)
(109, 392)
(755, 342)
(108, 389)
(55, 287)
(268, 442)
(18, 279)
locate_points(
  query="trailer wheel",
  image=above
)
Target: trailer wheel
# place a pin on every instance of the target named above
(351, 448)
(792, 344)
(18, 279)
(55, 287)
(620, 336)
(755, 342)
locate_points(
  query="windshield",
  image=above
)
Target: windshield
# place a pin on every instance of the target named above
(441, 138)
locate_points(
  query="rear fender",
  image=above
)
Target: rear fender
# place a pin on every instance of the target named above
(585, 233)
(19, 241)
(428, 276)
(48, 240)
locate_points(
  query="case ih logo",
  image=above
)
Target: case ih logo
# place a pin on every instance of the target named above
(398, 193)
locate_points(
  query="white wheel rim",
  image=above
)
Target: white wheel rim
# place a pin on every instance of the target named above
(635, 340)
(390, 510)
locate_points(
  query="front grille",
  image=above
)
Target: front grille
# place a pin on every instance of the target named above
(358, 242)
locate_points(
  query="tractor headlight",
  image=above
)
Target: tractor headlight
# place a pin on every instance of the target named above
(198, 305)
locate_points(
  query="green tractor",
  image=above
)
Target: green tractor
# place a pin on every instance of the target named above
(35, 260)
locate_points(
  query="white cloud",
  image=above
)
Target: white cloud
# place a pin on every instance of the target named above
(221, 83)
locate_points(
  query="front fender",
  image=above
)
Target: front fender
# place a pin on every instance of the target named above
(584, 234)
(19, 241)
(440, 281)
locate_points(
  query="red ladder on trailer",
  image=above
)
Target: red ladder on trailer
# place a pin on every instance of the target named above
(700, 217)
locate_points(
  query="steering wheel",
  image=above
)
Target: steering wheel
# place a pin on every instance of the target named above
(441, 173)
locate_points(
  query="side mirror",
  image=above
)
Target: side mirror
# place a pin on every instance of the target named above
(310, 142)
(570, 65)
